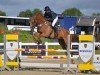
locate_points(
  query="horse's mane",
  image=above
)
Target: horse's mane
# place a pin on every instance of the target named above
(40, 16)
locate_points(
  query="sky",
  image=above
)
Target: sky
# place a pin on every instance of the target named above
(13, 7)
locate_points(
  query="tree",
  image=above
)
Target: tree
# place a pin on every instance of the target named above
(36, 11)
(2, 13)
(26, 13)
(96, 14)
(29, 13)
(72, 12)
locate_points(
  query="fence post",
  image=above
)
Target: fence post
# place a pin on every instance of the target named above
(46, 43)
(68, 52)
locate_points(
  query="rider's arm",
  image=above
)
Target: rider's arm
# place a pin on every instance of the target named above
(54, 15)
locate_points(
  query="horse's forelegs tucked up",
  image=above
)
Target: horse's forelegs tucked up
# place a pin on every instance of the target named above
(39, 35)
(36, 34)
(47, 35)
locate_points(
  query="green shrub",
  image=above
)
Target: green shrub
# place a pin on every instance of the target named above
(2, 26)
(1, 38)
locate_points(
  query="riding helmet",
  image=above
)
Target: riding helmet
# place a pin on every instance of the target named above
(47, 8)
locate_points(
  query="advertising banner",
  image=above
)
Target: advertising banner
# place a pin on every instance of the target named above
(85, 51)
(96, 62)
(10, 47)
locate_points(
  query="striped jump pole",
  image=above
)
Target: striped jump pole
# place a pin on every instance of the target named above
(47, 57)
(43, 50)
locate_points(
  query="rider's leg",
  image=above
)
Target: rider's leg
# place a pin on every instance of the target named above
(54, 21)
(58, 27)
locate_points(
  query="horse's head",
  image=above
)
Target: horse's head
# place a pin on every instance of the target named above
(33, 22)
(36, 20)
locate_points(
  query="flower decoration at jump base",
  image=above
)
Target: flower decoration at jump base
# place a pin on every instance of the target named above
(2, 31)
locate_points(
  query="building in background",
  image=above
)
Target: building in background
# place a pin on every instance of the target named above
(21, 23)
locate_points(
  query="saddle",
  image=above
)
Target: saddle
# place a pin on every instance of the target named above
(56, 29)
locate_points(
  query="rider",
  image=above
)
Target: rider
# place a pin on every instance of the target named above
(51, 17)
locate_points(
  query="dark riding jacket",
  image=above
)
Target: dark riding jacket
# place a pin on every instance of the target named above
(50, 16)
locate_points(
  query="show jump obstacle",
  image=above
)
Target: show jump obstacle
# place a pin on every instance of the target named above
(86, 52)
(87, 59)
(11, 42)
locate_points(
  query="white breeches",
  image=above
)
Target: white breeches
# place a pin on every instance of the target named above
(54, 21)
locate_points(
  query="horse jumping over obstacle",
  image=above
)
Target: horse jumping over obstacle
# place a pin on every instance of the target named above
(44, 29)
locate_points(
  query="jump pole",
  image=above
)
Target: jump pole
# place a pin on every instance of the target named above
(68, 69)
(5, 55)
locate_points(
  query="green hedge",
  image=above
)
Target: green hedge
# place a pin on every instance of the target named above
(26, 36)
(2, 26)
(1, 38)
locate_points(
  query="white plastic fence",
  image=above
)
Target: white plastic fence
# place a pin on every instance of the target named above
(31, 44)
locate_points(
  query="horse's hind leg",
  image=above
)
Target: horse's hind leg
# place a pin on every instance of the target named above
(62, 43)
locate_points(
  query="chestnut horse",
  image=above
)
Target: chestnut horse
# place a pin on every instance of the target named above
(44, 29)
